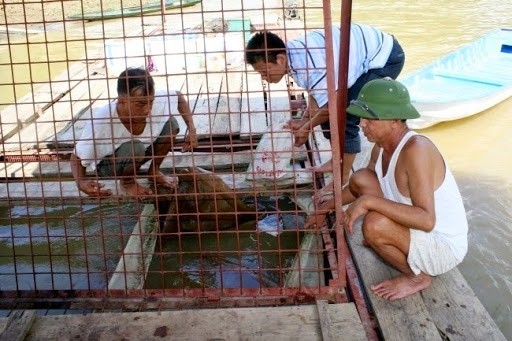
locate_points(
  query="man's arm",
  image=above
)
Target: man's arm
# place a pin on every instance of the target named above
(417, 166)
(312, 117)
(347, 196)
(89, 187)
(186, 114)
(317, 217)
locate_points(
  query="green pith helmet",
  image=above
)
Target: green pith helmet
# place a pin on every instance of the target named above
(383, 99)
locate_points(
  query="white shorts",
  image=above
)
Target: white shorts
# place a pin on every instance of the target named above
(430, 254)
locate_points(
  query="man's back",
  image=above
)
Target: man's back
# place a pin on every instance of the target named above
(369, 49)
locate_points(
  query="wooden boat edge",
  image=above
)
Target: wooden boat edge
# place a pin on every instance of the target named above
(132, 11)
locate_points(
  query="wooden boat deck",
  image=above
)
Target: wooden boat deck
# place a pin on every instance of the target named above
(308, 322)
(447, 310)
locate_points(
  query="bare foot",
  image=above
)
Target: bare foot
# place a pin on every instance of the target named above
(165, 180)
(401, 286)
(134, 190)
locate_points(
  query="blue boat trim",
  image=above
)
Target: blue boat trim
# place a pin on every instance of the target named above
(464, 82)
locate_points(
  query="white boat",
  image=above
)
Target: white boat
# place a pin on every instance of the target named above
(463, 83)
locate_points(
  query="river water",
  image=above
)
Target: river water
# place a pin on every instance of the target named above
(476, 147)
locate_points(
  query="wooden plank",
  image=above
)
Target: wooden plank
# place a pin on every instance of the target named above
(175, 161)
(309, 258)
(404, 319)
(334, 320)
(18, 325)
(253, 113)
(325, 321)
(227, 120)
(279, 103)
(133, 265)
(25, 111)
(18, 169)
(346, 323)
(3, 324)
(263, 323)
(58, 115)
(456, 310)
(306, 270)
(192, 90)
(205, 108)
(33, 191)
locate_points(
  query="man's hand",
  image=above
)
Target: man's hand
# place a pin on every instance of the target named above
(354, 211)
(301, 137)
(294, 125)
(300, 131)
(93, 188)
(316, 219)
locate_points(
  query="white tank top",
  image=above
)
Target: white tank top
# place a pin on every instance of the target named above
(451, 222)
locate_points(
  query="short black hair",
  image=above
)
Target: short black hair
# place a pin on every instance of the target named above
(133, 79)
(264, 46)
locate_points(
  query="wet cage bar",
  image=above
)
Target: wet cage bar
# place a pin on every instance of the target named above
(231, 232)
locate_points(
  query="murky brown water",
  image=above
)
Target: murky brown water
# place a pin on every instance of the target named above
(477, 147)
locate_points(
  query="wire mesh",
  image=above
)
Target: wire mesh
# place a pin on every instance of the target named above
(231, 227)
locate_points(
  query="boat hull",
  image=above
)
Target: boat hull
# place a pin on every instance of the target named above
(133, 10)
(464, 82)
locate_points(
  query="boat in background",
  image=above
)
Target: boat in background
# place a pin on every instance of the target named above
(133, 10)
(463, 83)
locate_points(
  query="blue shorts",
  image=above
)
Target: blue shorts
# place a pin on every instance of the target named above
(392, 69)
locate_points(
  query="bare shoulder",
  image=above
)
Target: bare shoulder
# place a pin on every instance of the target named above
(420, 143)
(421, 156)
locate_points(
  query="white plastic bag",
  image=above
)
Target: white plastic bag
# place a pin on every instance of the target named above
(276, 223)
(271, 224)
(272, 158)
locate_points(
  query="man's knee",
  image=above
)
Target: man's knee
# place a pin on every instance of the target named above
(375, 228)
(169, 132)
(124, 158)
(364, 181)
(131, 149)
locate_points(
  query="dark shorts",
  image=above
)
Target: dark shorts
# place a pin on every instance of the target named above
(131, 152)
(392, 69)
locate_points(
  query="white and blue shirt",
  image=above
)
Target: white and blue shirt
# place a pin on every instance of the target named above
(104, 132)
(369, 49)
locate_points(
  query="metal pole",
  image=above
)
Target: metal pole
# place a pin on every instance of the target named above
(163, 10)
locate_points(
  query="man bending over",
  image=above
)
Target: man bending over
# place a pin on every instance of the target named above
(135, 128)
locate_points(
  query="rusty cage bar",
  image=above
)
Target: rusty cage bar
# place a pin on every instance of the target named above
(231, 233)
